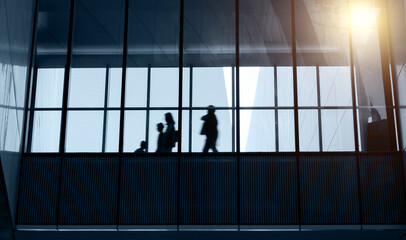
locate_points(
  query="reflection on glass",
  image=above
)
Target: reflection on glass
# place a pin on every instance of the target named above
(373, 130)
(87, 87)
(84, 132)
(49, 88)
(367, 57)
(308, 131)
(257, 131)
(46, 130)
(335, 86)
(338, 130)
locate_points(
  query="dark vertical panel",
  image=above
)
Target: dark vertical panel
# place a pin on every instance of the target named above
(149, 190)
(208, 190)
(89, 190)
(39, 190)
(382, 189)
(268, 190)
(329, 189)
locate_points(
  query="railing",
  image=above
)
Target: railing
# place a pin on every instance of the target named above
(221, 190)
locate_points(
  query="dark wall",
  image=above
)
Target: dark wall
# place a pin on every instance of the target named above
(15, 40)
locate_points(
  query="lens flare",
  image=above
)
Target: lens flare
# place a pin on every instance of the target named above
(363, 18)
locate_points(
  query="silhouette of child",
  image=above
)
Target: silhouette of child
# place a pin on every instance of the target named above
(161, 138)
(143, 146)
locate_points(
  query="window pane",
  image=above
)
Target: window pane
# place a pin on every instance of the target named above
(373, 130)
(155, 118)
(84, 131)
(403, 126)
(164, 87)
(112, 131)
(52, 33)
(307, 86)
(257, 131)
(46, 130)
(98, 33)
(114, 88)
(308, 130)
(212, 86)
(286, 133)
(257, 86)
(153, 33)
(134, 129)
(185, 131)
(335, 86)
(338, 130)
(49, 88)
(224, 127)
(87, 87)
(136, 87)
(285, 86)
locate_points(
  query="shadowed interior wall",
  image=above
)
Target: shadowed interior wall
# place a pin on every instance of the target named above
(16, 17)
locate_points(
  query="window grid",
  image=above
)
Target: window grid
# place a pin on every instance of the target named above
(235, 109)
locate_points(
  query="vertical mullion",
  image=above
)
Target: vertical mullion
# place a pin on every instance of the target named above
(355, 120)
(237, 60)
(65, 106)
(148, 107)
(32, 106)
(122, 108)
(296, 110)
(106, 97)
(319, 109)
(30, 85)
(275, 78)
(190, 106)
(32, 68)
(233, 109)
(181, 20)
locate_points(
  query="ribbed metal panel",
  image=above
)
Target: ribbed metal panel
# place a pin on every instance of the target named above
(89, 190)
(149, 188)
(208, 190)
(383, 196)
(268, 190)
(39, 190)
(329, 189)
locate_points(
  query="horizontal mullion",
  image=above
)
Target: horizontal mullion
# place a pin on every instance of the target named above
(188, 108)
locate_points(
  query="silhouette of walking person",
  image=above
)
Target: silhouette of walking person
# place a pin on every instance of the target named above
(143, 146)
(161, 138)
(210, 130)
(170, 133)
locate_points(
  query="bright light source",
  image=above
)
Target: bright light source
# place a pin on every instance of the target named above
(363, 17)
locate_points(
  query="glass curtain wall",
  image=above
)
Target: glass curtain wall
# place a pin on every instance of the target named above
(266, 76)
(152, 79)
(45, 107)
(209, 76)
(324, 76)
(375, 106)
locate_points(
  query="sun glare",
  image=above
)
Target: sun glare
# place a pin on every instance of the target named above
(363, 18)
